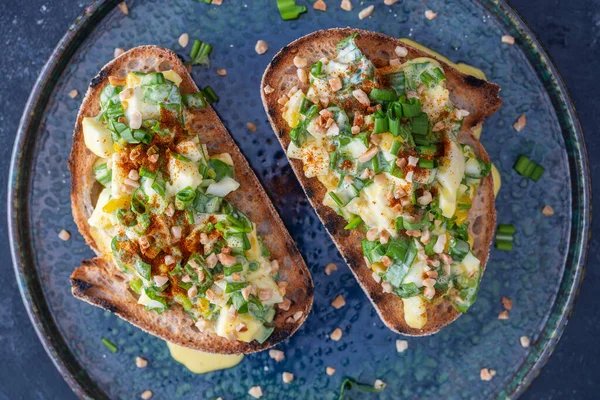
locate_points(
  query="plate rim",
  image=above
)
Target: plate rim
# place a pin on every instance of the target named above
(54, 343)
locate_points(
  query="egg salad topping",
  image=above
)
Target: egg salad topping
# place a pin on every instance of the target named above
(162, 216)
(384, 144)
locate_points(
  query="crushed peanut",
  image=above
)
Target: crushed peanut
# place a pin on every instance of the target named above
(346, 5)
(251, 126)
(287, 377)
(525, 341)
(146, 395)
(336, 335)
(503, 315)
(338, 302)
(320, 5)
(366, 12)
(123, 7)
(547, 210)
(256, 392)
(430, 15)
(64, 235)
(330, 268)
(401, 345)
(300, 62)
(486, 374)
(73, 93)
(330, 371)
(520, 124)
(389, 2)
(184, 39)
(508, 39)
(276, 355)
(261, 47)
(221, 72)
(141, 362)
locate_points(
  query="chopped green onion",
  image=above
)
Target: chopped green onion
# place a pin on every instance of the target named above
(425, 163)
(349, 384)
(504, 245)
(194, 100)
(537, 173)
(426, 150)
(529, 169)
(288, 9)
(109, 345)
(336, 199)
(210, 95)
(333, 159)
(146, 173)
(394, 115)
(464, 206)
(354, 222)
(383, 95)
(138, 201)
(412, 108)
(179, 157)
(506, 228)
(504, 237)
(395, 147)
(184, 301)
(200, 52)
(159, 185)
(184, 197)
(381, 123)
(315, 69)
(103, 174)
(420, 124)
(227, 271)
(234, 286)
(144, 269)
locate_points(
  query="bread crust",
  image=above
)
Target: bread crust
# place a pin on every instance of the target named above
(98, 282)
(479, 97)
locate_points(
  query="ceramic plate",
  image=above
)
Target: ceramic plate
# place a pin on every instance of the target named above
(541, 275)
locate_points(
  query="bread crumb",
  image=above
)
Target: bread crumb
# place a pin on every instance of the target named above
(64, 235)
(507, 303)
(141, 362)
(261, 47)
(366, 12)
(320, 5)
(73, 93)
(146, 395)
(379, 384)
(486, 374)
(118, 51)
(520, 124)
(525, 341)
(123, 7)
(547, 210)
(503, 315)
(346, 5)
(256, 392)
(508, 39)
(336, 335)
(287, 377)
(221, 72)
(338, 302)
(430, 15)
(184, 39)
(401, 345)
(251, 126)
(330, 371)
(330, 268)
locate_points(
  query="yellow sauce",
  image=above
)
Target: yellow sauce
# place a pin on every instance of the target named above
(201, 363)
(469, 70)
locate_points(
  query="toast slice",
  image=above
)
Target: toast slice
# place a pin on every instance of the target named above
(100, 283)
(479, 97)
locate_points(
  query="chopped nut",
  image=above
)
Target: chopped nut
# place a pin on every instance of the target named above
(330, 268)
(302, 75)
(376, 277)
(384, 236)
(338, 302)
(387, 288)
(184, 39)
(413, 232)
(401, 345)
(336, 335)
(320, 5)
(146, 395)
(285, 305)
(525, 341)
(226, 259)
(330, 371)
(216, 2)
(287, 377)
(300, 62)
(261, 47)
(160, 280)
(366, 12)
(508, 39)
(297, 315)
(335, 84)
(425, 199)
(276, 355)
(389, 2)
(385, 260)
(460, 114)
(256, 392)
(361, 96)
(265, 294)
(367, 155)
(520, 124)
(429, 14)
(282, 100)
(372, 234)
(507, 303)
(503, 315)
(64, 235)
(379, 384)
(486, 374)
(355, 131)
(547, 210)
(123, 7)
(346, 5)
(118, 51)
(141, 362)
(73, 93)
(268, 89)
(221, 72)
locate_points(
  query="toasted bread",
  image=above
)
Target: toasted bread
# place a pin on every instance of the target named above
(99, 282)
(479, 97)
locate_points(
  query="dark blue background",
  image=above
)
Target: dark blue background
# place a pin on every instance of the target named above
(30, 30)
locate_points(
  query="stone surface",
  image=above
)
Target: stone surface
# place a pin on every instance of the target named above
(30, 33)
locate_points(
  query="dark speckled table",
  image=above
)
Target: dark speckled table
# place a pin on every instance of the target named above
(30, 30)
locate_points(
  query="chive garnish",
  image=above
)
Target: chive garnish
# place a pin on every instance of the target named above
(109, 345)
(288, 9)
(529, 169)
(505, 237)
(210, 95)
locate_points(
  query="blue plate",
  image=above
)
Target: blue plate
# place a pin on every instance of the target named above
(541, 275)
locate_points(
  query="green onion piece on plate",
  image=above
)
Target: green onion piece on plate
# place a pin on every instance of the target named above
(288, 9)
(109, 345)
